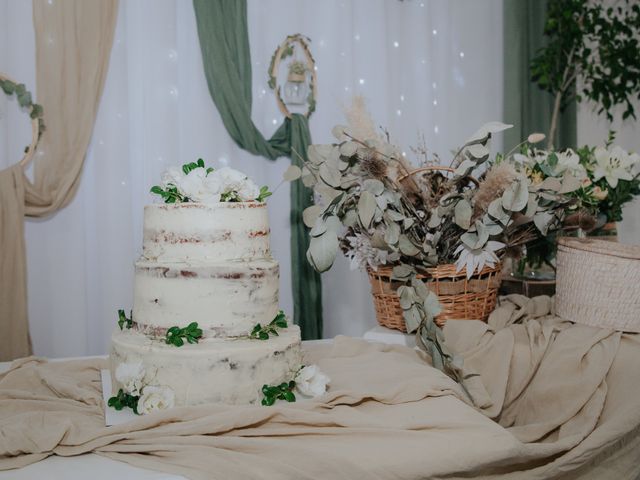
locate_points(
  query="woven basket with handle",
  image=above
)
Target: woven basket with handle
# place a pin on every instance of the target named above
(461, 298)
(598, 283)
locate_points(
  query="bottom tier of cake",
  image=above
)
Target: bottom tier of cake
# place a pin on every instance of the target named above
(230, 371)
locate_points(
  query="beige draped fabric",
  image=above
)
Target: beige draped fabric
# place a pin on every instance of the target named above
(566, 408)
(73, 45)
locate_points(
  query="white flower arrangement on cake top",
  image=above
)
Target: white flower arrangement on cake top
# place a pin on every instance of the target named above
(195, 182)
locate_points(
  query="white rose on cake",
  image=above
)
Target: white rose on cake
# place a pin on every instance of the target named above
(197, 188)
(130, 376)
(172, 177)
(235, 181)
(311, 382)
(155, 398)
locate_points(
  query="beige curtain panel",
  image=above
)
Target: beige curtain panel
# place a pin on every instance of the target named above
(73, 45)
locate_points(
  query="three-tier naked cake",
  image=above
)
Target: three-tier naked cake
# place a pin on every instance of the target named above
(208, 263)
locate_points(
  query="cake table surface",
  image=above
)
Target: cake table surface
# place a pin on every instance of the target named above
(387, 415)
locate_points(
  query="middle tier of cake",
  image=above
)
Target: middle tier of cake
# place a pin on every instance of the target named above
(226, 299)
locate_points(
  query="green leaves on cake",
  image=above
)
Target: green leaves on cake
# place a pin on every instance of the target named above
(124, 400)
(136, 394)
(284, 391)
(308, 381)
(262, 333)
(195, 182)
(176, 335)
(123, 321)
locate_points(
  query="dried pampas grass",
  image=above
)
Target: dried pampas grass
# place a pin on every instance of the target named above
(495, 182)
(359, 120)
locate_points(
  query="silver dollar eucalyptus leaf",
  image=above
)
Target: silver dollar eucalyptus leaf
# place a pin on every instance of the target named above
(542, 220)
(463, 213)
(486, 130)
(293, 172)
(516, 196)
(373, 185)
(407, 247)
(311, 214)
(402, 272)
(338, 132)
(324, 248)
(348, 149)
(477, 151)
(366, 208)
(464, 168)
(412, 319)
(392, 235)
(330, 175)
(569, 184)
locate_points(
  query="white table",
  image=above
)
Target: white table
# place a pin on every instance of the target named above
(89, 466)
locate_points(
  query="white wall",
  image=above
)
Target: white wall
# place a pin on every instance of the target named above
(425, 66)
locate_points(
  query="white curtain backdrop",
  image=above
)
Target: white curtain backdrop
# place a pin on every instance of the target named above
(425, 67)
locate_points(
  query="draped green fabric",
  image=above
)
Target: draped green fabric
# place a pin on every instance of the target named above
(526, 106)
(224, 42)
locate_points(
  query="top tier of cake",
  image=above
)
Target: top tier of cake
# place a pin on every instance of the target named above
(194, 232)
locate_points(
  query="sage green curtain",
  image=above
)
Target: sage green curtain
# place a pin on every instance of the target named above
(224, 42)
(526, 106)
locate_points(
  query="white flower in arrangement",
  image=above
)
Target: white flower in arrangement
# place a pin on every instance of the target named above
(130, 376)
(614, 165)
(569, 161)
(363, 255)
(311, 382)
(476, 259)
(155, 398)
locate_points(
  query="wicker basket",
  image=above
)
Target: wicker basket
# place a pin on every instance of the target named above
(598, 283)
(461, 298)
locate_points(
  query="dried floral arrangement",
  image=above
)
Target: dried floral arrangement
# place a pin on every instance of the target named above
(370, 205)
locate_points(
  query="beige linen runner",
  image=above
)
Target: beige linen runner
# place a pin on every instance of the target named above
(387, 415)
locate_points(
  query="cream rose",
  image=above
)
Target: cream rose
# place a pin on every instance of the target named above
(155, 398)
(311, 382)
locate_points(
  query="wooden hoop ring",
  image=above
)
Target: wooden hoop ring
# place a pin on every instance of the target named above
(300, 40)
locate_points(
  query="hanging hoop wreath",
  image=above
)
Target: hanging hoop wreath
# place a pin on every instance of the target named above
(11, 87)
(288, 49)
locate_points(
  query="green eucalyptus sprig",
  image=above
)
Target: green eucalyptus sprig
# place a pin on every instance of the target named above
(262, 333)
(176, 335)
(124, 400)
(24, 100)
(123, 321)
(284, 391)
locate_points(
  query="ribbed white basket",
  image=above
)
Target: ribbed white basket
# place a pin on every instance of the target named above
(598, 283)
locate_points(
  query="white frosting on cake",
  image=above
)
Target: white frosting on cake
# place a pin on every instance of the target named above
(226, 299)
(210, 264)
(205, 232)
(215, 370)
